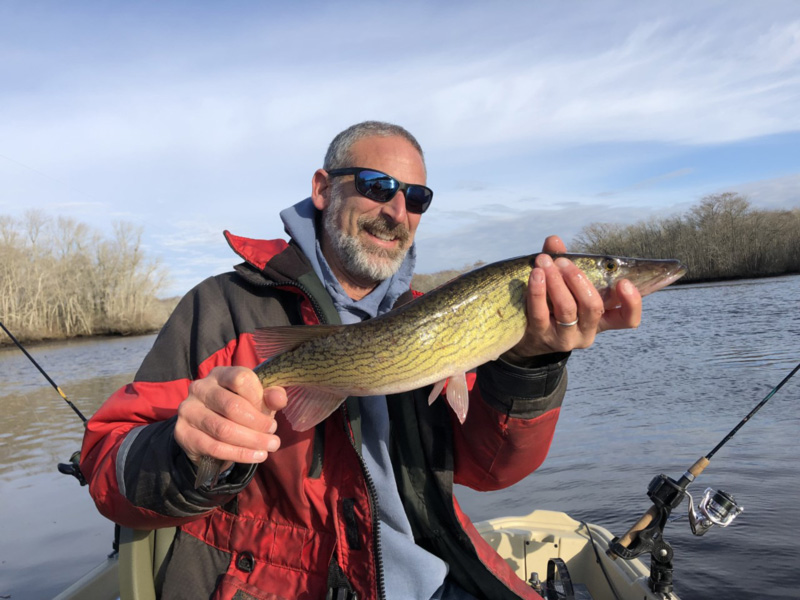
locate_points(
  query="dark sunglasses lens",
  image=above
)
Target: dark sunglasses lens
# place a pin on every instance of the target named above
(418, 198)
(376, 186)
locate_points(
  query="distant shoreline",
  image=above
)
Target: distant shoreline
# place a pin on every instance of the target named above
(5, 342)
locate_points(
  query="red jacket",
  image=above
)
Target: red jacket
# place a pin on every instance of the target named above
(289, 527)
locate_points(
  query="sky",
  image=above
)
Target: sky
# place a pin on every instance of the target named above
(537, 118)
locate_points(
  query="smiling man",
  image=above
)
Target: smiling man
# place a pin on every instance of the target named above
(362, 505)
(364, 241)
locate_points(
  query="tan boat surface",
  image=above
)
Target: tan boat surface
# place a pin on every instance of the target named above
(526, 543)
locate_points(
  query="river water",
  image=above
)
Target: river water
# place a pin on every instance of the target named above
(639, 403)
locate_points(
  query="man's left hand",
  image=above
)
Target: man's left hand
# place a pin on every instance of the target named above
(572, 297)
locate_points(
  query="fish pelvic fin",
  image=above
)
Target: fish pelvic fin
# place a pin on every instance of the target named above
(437, 389)
(309, 406)
(458, 395)
(272, 341)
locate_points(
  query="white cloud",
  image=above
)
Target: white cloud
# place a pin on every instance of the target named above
(781, 193)
(523, 108)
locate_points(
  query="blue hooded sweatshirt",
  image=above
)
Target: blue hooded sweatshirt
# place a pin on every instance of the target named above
(410, 572)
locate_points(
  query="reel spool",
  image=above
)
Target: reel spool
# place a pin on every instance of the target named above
(715, 508)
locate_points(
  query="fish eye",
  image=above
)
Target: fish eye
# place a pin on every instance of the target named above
(610, 265)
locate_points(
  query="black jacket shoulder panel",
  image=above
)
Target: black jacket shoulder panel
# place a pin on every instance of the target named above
(216, 312)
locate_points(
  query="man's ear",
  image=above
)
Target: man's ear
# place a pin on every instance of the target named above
(320, 189)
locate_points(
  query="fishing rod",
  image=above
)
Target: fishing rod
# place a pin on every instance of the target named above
(73, 466)
(715, 508)
(42, 371)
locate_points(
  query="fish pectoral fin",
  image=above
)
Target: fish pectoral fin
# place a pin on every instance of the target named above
(458, 395)
(271, 341)
(437, 389)
(309, 406)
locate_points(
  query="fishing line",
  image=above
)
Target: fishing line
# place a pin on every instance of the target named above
(42, 371)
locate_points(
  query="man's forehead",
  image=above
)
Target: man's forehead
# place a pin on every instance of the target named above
(388, 153)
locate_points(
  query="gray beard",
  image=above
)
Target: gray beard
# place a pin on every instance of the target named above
(361, 261)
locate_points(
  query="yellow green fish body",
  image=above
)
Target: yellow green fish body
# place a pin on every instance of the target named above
(456, 327)
(435, 338)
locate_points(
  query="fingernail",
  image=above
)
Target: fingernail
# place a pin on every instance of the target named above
(273, 444)
(259, 455)
(545, 260)
(538, 276)
(626, 287)
(562, 262)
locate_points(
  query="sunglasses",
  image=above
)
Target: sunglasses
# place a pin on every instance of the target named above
(381, 187)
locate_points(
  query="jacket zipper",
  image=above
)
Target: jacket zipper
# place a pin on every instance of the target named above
(372, 491)
(373, 501)
(314, 304)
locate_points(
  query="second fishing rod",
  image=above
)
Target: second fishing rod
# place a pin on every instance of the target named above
(715, 508)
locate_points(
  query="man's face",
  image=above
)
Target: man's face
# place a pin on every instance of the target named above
(370, 239)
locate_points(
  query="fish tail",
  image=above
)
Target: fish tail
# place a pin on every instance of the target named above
(208, 470)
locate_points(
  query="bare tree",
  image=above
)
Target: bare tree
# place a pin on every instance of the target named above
(722, 237)
(58, 278)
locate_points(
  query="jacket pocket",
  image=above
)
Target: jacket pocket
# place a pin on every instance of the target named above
(232, 588)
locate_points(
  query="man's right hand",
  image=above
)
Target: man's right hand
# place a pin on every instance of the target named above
(229, 416)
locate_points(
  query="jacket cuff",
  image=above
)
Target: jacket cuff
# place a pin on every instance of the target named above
(153, 472)
(232, 482)
(524, 392)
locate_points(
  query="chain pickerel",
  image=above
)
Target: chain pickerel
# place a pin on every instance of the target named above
(433, 339)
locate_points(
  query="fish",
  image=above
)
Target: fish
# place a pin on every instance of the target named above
(433, 340)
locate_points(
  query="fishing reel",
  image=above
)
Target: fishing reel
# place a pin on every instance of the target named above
(73, 467)
(715, 508)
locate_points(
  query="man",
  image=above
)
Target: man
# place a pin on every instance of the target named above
(362, 505)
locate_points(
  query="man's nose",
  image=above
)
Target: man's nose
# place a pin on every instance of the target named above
(395, 209)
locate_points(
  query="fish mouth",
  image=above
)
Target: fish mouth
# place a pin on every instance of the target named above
(669, 275)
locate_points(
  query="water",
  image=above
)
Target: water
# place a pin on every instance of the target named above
(653, 401)
(639, 403)
(52, 533)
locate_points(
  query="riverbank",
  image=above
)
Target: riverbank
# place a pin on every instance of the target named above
(32, 337)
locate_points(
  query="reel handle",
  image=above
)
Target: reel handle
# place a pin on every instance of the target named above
(647, 518)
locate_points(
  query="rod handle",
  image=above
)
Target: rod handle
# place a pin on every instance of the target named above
(632, 533)
(699, 466)
(647, 518)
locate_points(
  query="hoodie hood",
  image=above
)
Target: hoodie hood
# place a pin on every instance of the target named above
(300, 222)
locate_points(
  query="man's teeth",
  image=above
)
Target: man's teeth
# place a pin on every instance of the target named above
(382, 236)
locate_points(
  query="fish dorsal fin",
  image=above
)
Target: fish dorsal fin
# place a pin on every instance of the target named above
(271, 341)
(458, 395)
(308, 406)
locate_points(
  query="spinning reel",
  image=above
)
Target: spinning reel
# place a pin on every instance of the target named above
(647, 535)
(715, 508)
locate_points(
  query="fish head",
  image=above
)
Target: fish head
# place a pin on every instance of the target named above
(647, 274)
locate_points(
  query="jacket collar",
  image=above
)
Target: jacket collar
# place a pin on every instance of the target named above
(256, 252)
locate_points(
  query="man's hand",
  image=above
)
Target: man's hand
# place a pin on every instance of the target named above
(229, 416)
(559, 292)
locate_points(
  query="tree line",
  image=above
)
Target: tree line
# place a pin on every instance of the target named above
(722, 237)
(60, 279)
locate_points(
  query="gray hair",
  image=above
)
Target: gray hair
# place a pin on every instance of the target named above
(338, 154)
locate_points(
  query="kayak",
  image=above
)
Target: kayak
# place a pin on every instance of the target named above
(531, 543)
(559, 556)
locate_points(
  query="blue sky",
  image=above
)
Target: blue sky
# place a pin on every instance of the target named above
(188, 118)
